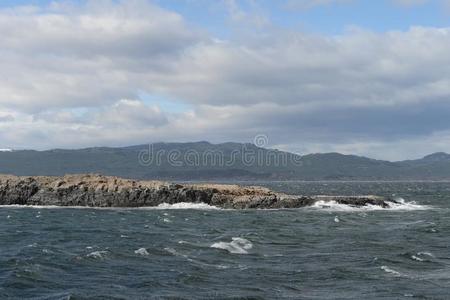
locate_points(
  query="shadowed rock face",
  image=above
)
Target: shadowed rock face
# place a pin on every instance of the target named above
(105, 191)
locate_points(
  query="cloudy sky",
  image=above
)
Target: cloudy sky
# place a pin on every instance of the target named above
(354, 76)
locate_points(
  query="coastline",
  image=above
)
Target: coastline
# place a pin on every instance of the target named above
(93, 190)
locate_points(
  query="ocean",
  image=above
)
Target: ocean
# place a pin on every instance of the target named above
(194, 251)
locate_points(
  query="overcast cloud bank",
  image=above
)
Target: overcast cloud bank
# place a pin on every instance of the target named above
(77, 75)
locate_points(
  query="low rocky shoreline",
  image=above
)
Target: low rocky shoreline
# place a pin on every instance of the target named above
(93, 190)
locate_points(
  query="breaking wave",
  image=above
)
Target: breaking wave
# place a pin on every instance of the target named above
(391, 271)
(236, 246)
(97, 254)
(184, 205)
(141, 251)
(181, 205)
(398, 205)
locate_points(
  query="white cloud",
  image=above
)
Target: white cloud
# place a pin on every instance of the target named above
(86, 56)
(308, 4)
(131, 114)
(66, 71)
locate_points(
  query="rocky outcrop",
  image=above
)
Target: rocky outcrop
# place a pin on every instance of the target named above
(105, 191)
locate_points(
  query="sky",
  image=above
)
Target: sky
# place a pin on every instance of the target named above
(358, 77)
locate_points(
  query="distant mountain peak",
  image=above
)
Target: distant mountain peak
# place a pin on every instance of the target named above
(207, 161)
(438, 156)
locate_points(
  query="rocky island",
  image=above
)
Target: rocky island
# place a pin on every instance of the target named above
(92, 190)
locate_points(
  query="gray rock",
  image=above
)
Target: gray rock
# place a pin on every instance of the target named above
(104, 191)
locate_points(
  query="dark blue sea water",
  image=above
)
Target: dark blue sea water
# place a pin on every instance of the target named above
(334, 252)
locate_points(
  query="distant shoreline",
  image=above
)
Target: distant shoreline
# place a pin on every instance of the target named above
(204, 161)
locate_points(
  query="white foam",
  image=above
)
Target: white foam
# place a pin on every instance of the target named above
(422, 256)
(236, 246)
(425, 254)
(336, 219)
(97, 254)
(34, 206)
(141, 251)
(401, 205)
(181, 205)
(416, 258)
(390, 271)
(185, 205)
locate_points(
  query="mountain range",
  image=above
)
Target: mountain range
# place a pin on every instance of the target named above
(230, 161)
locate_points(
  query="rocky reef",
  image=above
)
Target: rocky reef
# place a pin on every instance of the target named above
(105, 191)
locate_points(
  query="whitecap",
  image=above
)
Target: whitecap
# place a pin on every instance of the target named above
(422, 256)
(166, 220)
(31, 206)
(400, 205)
(181, 205)
(141, 251)
(184, 205)
(236, 246)
(336, 219)
(425, 254)
(390, 271)
(416, 258)
(97, 254)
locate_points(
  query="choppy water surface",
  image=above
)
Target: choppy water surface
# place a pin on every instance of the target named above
(323, 252)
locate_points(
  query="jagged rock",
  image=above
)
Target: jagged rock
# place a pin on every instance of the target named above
(106, 191)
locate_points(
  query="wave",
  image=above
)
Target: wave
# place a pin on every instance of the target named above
(97, 254)
(391, 271)
(416, 258)
(141, 251)
(398, 205)
(162, 206)
(422, 256)
(184, 205)
(35, 206)
(194, 261)
(429, 254)
(236, 246)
